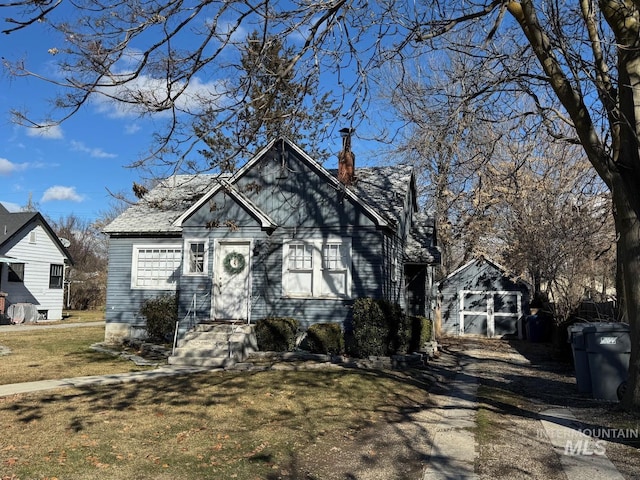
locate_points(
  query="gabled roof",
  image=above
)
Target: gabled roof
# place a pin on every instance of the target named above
(162, 205)
(383, 188)
(482, 259)
(14, 224)
(381, 192)
(421, 248)
(266, 222)
(380, 220)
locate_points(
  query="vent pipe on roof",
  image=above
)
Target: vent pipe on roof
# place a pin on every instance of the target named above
(346, 158)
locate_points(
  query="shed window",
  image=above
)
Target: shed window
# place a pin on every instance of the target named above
(156, 267)
(55, 276)
(16, 272)
(317, 268)
(196, 261)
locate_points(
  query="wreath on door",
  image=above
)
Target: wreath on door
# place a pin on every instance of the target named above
(233, 263)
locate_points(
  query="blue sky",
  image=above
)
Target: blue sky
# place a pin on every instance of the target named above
(70, 169)
(67, 169)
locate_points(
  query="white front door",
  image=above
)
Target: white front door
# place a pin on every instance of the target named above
(231, 280)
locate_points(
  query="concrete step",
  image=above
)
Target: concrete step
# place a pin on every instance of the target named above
(202, 362)
(237, 348)
(203, 338)
(223, 327)
(211, 344)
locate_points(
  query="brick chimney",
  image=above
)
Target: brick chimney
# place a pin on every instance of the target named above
(346, 158)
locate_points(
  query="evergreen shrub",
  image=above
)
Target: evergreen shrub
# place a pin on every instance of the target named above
(276, 334)
(161, 314)
(325, 338)
(421, 332)
(381, 328)
(370, 331)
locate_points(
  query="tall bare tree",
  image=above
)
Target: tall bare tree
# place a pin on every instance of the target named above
(583, 54)
(87, 278)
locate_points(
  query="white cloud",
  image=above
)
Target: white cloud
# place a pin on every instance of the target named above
(92, 152)
(131, 128)
(51, 132)
(234, 32)
(58, 192)
(153, 92)
(7, 167)
(142, 88)
(12, 207)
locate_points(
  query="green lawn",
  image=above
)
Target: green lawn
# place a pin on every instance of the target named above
(81, 316)
(56, 353)
(213, 425)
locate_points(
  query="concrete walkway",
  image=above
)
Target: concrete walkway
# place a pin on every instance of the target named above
(454, 452)
(26, 327)
(113, 379)
(453, 449)
(580, 455)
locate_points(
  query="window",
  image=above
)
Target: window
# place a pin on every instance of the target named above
(16, 272)
(33, 236)
(155, 267)
(196, 261)
(317, 268)
(55, 276)
(299, 277)
(334, 271)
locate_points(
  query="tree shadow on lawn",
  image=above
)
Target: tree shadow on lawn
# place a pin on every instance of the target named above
(321, 425)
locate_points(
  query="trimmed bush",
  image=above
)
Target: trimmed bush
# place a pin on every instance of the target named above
(161, 314)
(370, 330)
(421, 332)
(325, 338)
(276, 334)
(381, 328)
(399, 326)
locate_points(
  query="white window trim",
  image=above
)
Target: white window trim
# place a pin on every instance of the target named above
(186, 263)
(317, 245)
(134, 266)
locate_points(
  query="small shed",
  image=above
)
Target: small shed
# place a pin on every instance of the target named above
(481, 298)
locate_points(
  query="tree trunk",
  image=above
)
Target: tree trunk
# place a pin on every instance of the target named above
(627, 206)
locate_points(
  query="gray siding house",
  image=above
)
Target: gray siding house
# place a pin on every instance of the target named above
(32, 267)
(481, 298)
(282, 236)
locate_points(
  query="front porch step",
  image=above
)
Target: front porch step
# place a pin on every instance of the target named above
(215, 345)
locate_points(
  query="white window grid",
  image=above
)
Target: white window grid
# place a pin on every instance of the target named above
(300, 257)
(321, 259)
(333, 257)
(156, 267)
(196, 257)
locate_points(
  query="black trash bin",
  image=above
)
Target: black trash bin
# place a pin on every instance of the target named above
(537, 328)
(580, 358)
(609, 348)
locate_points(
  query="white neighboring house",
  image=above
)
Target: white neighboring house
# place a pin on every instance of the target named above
(32, 266)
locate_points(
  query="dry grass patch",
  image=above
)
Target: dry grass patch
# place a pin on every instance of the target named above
(209, 425)
(83, 316)
(56, 353)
